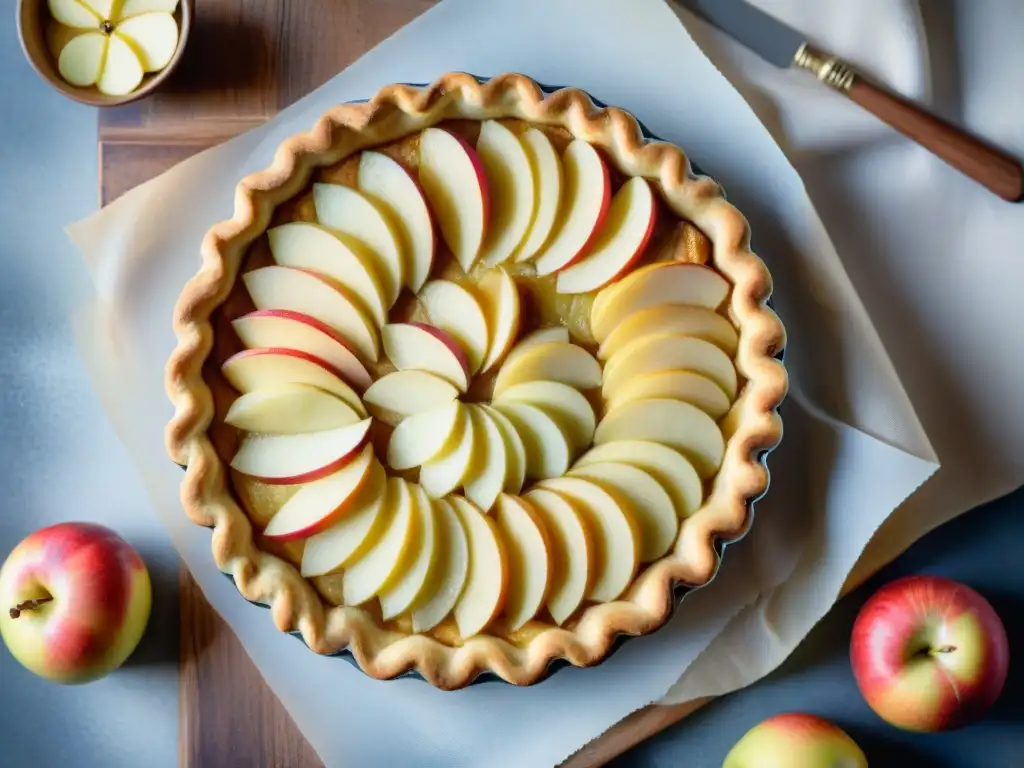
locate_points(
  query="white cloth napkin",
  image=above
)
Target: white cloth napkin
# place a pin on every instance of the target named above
(854, 449)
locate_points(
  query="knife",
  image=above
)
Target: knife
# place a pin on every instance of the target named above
(785, 47)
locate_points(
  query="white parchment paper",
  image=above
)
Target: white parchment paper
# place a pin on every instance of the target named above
(854, 448)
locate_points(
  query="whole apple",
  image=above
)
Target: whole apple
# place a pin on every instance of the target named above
(929, 654)
(74, 602)
(794, 740)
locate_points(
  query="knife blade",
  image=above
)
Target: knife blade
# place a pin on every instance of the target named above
(785, 47)
(765, 35)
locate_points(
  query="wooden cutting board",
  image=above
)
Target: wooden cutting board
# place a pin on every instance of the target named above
(246, 61)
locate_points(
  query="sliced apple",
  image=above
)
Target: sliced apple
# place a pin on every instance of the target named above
(664, 282)
(449, 573)
(668, 352)
(571, 410)
(515, 452)
(72, 13)
(404, 393)
(308, 293)
(456, 311)
(551, 335)
(613, 531)
(302, 458)
(620, 242)
(289, 409)
(572, 552)
(669, 467)
(487, 477)
(349, 537)
(652, 508)
(529, 558)
(547, 190)
(81, 61)
(416, 346)
(511, 184)
(390, 185)
(319, 504)
(122, 69)
(131, 8)
(672, 318)
(548, 448)
(419, 560)
(379, 566)
(253, 369)
(153, 37)
(442, 475)
(312, 247)
(674, 423)
(105, 9)
(453, 179)
(687, 386)
(552, 361)
(586, 195)
(284, 329)
(499, 299)
(483, 595)
(423, 436)
(364, 227)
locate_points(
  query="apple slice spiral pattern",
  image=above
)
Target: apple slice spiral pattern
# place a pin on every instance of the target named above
(577, 464)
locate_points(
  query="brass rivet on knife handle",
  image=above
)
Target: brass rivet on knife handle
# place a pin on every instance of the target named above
(831, 70)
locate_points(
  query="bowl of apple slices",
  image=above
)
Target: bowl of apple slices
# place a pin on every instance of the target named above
(104, 52)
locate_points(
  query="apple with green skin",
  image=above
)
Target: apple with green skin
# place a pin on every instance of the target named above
(929, 654)
(795, 740)
(74, 602)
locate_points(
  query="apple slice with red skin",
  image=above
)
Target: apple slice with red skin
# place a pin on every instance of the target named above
(547, 174)
(619, 243)
(253, 369)
(349, 263)
(289, 409)
(282, 328)
(308, 293)
(457, 312)
(511, 184)
(294, 459)
(795, 739)
(453, 179)
(586, 195)
(395, 189)
(929, 654)
(418, 346)
(499, 299)
(318, 505)
(664, 282)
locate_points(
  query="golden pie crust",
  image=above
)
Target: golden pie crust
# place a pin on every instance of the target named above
(751, 427)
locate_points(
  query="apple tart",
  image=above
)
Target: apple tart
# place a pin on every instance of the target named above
(475, 376)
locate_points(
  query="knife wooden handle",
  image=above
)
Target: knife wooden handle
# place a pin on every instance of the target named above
(987, 165)
(991, 167)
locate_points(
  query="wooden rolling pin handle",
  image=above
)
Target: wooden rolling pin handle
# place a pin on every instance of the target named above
(991, 167)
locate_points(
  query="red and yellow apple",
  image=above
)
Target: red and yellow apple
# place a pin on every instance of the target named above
(929, 654)
(75, 600)
(794, 740)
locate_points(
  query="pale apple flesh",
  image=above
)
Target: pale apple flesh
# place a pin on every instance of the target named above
(571, 409)
(299, 458)
(483, 595)
(153, 36)
(549, 450)
(442, 475)
(669, 351)
(485, 481)
(74, 602)
(499, 298)
(450, 568)
(399, 394)
(425, 436)
(688, 386)
(551, 361)
(529, 558)
(453, 179)
(619, 243)
(419, 560)
(795, 740)
(377, 569)
(700, 322)
(511, 184)
(392, 186)
(573, 557)
(289, 409)
(454, 310)
(547, 173)
(515, 451)
(415, 346)
(929, 654)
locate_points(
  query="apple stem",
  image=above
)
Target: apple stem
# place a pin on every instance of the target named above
(28, 605)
